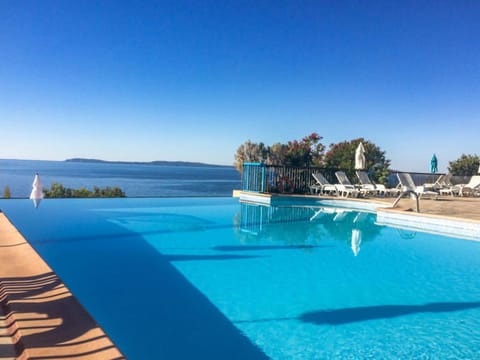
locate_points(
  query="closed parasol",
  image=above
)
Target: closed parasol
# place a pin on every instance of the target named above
(434, 164)
(360, 162)
(37, 190)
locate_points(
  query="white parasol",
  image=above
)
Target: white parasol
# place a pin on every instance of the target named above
(37, 190)
(360, 162)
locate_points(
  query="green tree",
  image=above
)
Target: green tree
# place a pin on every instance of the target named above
(59, 191)
(250, 152)
(306, 152)
(342, 156)
(111, 192)
(465, 165)
(56, 190)
(6, 193)
(82, 193)
(277, 154)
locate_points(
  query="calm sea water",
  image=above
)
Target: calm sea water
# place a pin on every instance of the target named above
(135, 179)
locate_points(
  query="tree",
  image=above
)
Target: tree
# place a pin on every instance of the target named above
(250, 152)
(277, 154)
(6, 193)
(81, 193)
(342, 156)
(465, 165)
(59, 191)
(306, 152)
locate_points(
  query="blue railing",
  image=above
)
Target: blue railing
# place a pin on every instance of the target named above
(253, 178)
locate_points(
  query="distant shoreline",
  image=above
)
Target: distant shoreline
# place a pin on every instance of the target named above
(157, 162)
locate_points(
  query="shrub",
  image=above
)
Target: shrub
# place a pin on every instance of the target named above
(59, 191)
(6, 193)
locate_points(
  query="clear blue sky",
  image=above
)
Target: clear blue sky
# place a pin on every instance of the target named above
(192, 80)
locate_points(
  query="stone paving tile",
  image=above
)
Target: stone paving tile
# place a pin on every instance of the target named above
(43, 319)
(7, 349)
(456, 207)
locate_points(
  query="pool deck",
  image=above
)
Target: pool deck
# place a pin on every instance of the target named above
(450, 216)
(445, 215)
(465, 208)
(462, 208)
(39, 316)
(41, 319)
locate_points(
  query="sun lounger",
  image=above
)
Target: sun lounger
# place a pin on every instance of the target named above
(322, 185)
(346, 188)
(444, 186)
(380, 189)
(472, 188)
(442, 182)
(408, 186)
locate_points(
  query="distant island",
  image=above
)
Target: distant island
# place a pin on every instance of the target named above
(157, 162)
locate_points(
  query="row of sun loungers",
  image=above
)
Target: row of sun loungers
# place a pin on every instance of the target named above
(345, 188)
(366, 187)
(444, 186)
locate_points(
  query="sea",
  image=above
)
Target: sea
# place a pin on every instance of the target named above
(136, 180)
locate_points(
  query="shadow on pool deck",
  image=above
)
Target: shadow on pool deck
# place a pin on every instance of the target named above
(43, 320)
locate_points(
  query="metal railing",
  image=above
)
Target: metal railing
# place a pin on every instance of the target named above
(259, 177)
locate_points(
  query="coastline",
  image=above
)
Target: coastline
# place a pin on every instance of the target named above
(136, 180)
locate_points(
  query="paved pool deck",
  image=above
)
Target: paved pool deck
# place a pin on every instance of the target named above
(465, 208)
(444, 215)
(39, 316)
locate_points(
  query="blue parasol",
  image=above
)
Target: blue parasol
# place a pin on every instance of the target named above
(433, 164)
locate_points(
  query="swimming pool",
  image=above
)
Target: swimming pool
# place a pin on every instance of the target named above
(209, 278)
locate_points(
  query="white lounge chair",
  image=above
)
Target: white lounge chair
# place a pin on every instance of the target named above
(408, 186)
(346, 188)
(380, 189)
(471, 188)
(322, 185)
(444, 186)
(442, 182)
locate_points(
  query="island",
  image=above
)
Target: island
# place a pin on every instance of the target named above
(156, 162)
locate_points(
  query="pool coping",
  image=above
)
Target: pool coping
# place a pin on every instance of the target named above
(429, 223)
(403, 218)
(309, 200)
(38, 312)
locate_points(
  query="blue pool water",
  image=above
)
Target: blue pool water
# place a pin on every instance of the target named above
(209, 278)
